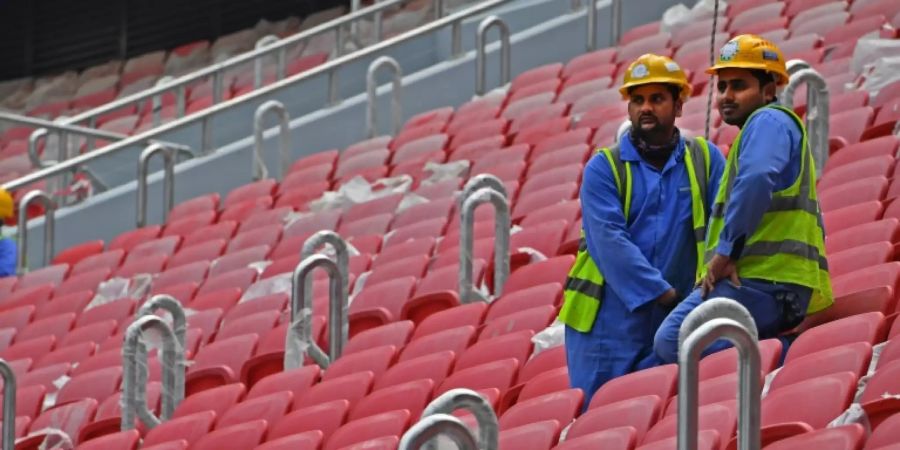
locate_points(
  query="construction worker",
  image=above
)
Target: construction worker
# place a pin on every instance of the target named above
(644, 207)
(7, 245)
(765, 244)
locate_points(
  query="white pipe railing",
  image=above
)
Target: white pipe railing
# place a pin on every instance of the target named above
(817, 111)
(9, 404)
(179, 326)
(714, 319)
(481, 53)
(49, 228)
(341, 255)
(134, 382)
(467, 291)
(438, 425)
(260, 171)
(396, 92)
(480, 181)
(258, 76)
(169, 154)
(486, 418)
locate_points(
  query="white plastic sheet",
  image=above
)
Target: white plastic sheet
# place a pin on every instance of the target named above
(879, 62)
(117, 288)
(439, 172)
(550, 337)
(680, 15)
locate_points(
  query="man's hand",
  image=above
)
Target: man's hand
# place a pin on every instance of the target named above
(667, 298)
(719, 268)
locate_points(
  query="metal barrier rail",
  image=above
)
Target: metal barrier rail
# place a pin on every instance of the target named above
(438, 425)
(299, 341)
(203, 117)
(396, 91)
(715, 319)
(134, 381)
(169, 155)
(454, 399)
(260, 171)
(9, 404)
(49, 228)
(480, 53)
(179, 325)
(341, 255)
(467, 292)
(817, 110)
(615, 25)
(218, 71)
(484, 180)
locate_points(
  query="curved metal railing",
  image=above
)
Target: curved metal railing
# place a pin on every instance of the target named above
(169, 154)
(9, 404)
(134, 380)
(817, 110)
(299, 337)
(173, 307)
(795, 65)
(49, 228)
(484, 180)
(371, 95)
(260, 171)
(719, 318)
(467, 291)
(263, 42)
(341, 255)
(454, 399)
(438, 425)
(481, 56)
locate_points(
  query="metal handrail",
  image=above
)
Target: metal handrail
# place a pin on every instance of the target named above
(156, 102)
(817, 111)
(179, 324)
(795, 65)
(9, 404)
(480, 53)
(49, 225)
(341, 255)
(299, 341)
(615, 25)
(134, 380)
(454, 399)
(265, 41)
(202, 117)
(169, 155)
(711, 326)
(218, 70)
(483, 180)
(615, 28)
(433, 426)
(467, 292)
(396, 91)
(260, 171)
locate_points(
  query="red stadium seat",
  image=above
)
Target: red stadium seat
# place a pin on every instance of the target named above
(411, 396)
(190, 428)
(639, 413)
(433, 367)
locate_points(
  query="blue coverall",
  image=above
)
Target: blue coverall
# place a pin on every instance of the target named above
(769, 161)
(7, 257)
(639, 260)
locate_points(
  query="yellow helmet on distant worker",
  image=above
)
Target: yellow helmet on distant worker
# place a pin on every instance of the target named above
(650, 69)
(6, 205)
(749, 51)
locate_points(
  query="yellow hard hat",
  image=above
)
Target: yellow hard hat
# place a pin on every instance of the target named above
(749, 51)
(650, 69)
(6, 205)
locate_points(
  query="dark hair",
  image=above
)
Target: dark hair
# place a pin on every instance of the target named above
(763, 77)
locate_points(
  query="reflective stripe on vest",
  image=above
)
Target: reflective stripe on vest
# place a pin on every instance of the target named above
(788, 245)
(584, 285)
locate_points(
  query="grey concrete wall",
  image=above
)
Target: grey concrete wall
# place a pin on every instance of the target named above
(441, 83)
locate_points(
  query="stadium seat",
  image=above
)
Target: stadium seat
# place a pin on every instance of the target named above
(350, 387)
(493, 375)
(388, 424)
(411, 396)
(124, 440)
(638, 413)
(538, 435)
(802, 406)
(219, 363)
(433, 367)
(613, 438)
(190, 428)
(659, 381)
(310, 440)
(376, 360)
(867, 327)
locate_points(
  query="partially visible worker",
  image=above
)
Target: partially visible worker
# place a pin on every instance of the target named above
(765, 244)
(7, 245)
(645, 204)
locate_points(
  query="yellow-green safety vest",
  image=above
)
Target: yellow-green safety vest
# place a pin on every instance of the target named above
(788, 246)
(584, 285)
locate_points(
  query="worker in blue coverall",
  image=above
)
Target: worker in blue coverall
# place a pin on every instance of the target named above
(765, 243)
(649, 260)
(7, 245)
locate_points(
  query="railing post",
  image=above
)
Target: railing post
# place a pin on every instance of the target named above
(259, 165)
(450, 401)
(264, 41)
(169, 153)
(480, 50)
(433, 426)
(591, 11)
(9, 404)
(467, 292)
(719, 318)
(817, 114)
(299, 337)
(157, 100)
(49, 225)
(33, 141)
(134, 380)
(396, 90)
(615, 25)
(438, 6)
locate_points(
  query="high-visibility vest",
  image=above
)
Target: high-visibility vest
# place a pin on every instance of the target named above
(788, 245)
(584, 285)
